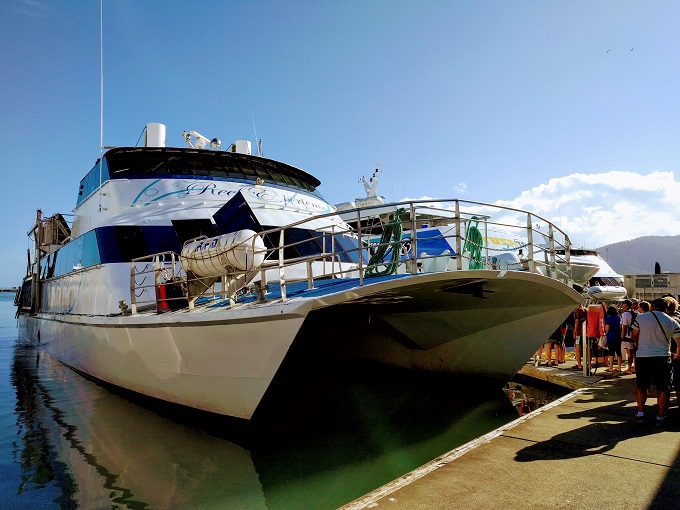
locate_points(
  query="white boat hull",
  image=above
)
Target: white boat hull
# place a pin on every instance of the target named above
(218, 361)
(483, 323)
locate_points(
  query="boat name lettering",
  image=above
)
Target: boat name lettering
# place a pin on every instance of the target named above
(212, 189)
(302, 203)
(297, 201)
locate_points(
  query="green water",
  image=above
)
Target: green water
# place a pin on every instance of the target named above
(327, 435)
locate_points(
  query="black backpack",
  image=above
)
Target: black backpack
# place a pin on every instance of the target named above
(633, 316)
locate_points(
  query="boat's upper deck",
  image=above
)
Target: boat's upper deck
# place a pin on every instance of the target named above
(183, 163)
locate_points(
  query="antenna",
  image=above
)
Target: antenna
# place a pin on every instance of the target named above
(101, 75)
(101, 96)
(257, 140)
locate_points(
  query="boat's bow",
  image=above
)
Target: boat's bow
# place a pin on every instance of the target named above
(480, 322)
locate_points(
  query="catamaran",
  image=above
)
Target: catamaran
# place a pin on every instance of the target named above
(189, 274)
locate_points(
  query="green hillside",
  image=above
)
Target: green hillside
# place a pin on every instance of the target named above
(638, 256)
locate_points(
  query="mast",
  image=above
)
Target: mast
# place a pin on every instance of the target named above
(37, 232)
(101, 96)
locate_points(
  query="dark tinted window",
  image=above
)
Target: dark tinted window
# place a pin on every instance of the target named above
(189, 229)
(91, 181)
(131, 242)
(146, 162)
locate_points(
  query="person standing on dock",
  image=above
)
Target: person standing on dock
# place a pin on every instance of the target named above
(651, 334)
(612, 328)
(595, 328)
(580, 317)
(627, 318)
(673, 312)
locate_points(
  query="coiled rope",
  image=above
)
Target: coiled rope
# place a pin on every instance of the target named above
(393, 231)
(474, 241)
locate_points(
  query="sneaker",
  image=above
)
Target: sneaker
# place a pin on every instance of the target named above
(640, 416)
(660, 420)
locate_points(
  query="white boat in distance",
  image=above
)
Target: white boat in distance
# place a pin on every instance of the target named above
(500, 248)
(189, 274)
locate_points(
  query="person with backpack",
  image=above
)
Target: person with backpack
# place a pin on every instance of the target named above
(627, 318)
(651, 334)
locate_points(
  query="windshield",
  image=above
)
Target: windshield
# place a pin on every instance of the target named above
(144, 162)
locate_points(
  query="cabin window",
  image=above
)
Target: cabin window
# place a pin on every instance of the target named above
(90, 250)
(91, 181)
(81, 252)
(146, 163)
(190, 229)
(131, 242)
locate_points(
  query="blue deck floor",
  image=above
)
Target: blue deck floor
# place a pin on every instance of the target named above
(300, 289)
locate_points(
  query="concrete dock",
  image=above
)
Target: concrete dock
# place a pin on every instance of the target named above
(582, 451)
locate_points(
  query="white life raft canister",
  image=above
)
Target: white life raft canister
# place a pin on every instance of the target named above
(243, 250)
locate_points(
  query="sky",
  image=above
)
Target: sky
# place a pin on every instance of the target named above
(568, 109)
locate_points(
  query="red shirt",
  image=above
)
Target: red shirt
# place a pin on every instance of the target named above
(581, 315)
(595, 325)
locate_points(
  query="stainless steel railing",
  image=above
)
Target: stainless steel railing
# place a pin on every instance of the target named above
(344, 244)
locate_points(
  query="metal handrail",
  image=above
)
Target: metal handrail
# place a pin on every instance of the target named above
(334, 263)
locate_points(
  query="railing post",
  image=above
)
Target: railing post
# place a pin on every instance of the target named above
(231, 290)
(459, 247)
(333, 252)
(156, 278)
(361, 249)
(486, 242)
(414, 240)
(310, 275)
(282, 277)
(133, 297)
(530, 245)
(567, 261)
(585, 361)
(323, 250)
(551, 244)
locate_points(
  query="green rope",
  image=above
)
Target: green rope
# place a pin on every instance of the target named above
(393, 231)
(474, 242)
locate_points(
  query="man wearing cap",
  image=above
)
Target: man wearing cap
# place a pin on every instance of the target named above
(636, 305)
(651, 334)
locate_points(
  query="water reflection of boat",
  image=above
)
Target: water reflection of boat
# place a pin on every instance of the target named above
(336, 441)
(100, 451)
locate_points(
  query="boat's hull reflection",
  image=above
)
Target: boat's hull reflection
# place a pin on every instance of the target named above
(324, 436)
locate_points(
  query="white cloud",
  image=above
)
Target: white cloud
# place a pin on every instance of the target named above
(598, 209)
